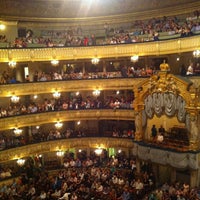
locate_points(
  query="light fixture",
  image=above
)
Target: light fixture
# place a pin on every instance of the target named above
(17, 131)
(117, 92)
(78, 123)
(77, 93)
(12, 64)
(14, 99)
(2, 27)
(37, 127)
(21, 162)
(196, 53)
(96, 92)
(54, 62)
(56, 95)
(79, 150)
(119, 151)
(35, 96)
(98, 151)
(95, 61)
(60, 153)
(134, 58)
(58, 125)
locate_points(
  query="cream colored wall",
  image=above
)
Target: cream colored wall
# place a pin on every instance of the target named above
(184, 59)
(166, 122)
(10, 31)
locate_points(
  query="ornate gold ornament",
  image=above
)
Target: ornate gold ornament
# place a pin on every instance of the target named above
(163, 82)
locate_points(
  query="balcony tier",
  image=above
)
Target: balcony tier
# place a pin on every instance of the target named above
(69, 115)
(64, 144)
(69, 86)
(179, 45)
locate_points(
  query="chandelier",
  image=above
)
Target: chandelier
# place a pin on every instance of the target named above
(2, 27)
(35, 96)
(54, 62)
(56, 95)
(58, 125)
(134, 58)
(196, 53)
(95, 61)
(17, 131)
(98, 151)
(96, 93)
(14, 99)
(60, 153)
(21, 162)
(12, 64)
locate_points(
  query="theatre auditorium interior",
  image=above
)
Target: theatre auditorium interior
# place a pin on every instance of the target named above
(99, 99)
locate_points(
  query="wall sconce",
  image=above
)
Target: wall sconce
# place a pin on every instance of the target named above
(60, 153)
(54, 62)
(12, 64)
(21, 162)
(134, 58)
(58, 125)
(78, 123)
(98, 151)
(95, 61)
(196, 53)
(14, 99)
(96, 93)
(56, 95)
(17, 131)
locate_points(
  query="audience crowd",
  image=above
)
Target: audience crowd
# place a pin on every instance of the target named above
(83, 178)
(11, 140)
(75, 102)
(124, 71)
(93, 178)
(139, 31)
(42, 76)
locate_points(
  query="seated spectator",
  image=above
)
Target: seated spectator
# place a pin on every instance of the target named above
(156, 36)
(27, 79)
(190, 69)
(149, 71)
(183, 70)
(197, 69)
(13, 80)
(43, 195)
(65, 196)
(57, 194)
(160, 138)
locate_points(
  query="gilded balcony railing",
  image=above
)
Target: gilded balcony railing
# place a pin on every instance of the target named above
(179, 45)
(69, 115)
(64, 145)
(69, 86)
